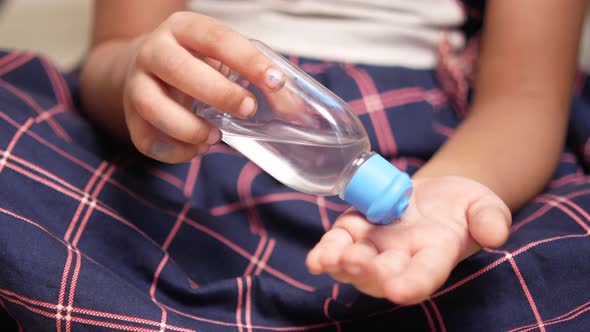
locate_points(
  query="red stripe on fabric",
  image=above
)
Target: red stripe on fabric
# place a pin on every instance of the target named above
(60, 306)
(278, 197)
(9, 57)
(428, 317)
(469, 278)
(327, 307)
(82, 204)
(316, 68)
(254, 261)
(526, 291)
(375, 108)
(12, 143)
(171, 179)
(57, 129)
(246, 255)
(443, 130)
(43, 181)
(580, 211)
(321, 203)
(102, 207)
(9, 294)
(546, 207)
(402, 96)
(245, 180)
(239, 305)
(176, 226)
(559, 319)
(73, 285)
(257, 327)
(130, 319)
(30, 308)
(58, 84)
(84, 222)
(566, 211)
(503, 259)
(153, 289)
(193, 224)
(265, 257)
(91, 206)
(191, 177)
(17, 63)
(248, 306)
(100, 314)
(104, 210)
(47, 144)
(532, 217)
(165, 246)
(569, 179)
(55, 110)
(62, 288)
(439, 319)
(113, 326)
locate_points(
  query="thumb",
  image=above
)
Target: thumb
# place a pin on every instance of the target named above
(489, 221)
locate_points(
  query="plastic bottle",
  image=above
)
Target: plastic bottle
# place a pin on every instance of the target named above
(310, 140)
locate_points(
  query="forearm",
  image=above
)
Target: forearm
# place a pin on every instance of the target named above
(115, 39)
(512, 138)
(514, 153)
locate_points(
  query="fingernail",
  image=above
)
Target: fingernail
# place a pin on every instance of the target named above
(159, 148)
(273, 78)
(214, 136)
(247, 107)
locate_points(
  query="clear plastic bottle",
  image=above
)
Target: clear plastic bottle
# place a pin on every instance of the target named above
(310, 140)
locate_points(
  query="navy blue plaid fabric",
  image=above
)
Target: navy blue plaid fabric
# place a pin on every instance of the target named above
(96, 237)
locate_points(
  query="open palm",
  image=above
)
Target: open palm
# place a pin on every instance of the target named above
(449, 218)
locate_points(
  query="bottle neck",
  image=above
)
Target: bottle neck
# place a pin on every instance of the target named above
(349, 171)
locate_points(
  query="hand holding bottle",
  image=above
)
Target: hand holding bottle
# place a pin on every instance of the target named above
(173, 66)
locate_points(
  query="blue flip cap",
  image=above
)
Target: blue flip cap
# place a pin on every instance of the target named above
(379, 190)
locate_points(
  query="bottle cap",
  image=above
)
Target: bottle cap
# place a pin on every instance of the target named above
(379, 190)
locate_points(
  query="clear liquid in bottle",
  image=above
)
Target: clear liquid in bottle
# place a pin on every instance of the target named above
(310, 140)
(310, 161)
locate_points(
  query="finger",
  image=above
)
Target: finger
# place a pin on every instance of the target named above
(489, 221)
(153, 143)
(425, 272)
(357, 256)
(180, 97)
(213, 39)
(179, 68)
(355, 224)
(355, 264)
(381, 268)
(148, 98)
(325, 257)
(288, 104)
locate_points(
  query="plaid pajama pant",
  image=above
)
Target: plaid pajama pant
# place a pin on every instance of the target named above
(95, 237)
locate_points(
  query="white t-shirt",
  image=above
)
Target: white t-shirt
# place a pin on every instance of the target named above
(379, 32)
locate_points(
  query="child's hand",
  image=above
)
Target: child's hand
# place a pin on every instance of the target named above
(174, 65)
(448, 219)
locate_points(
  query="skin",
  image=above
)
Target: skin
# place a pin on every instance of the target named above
(143, 73)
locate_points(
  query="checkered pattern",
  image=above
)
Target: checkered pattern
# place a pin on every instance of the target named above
(95, 237)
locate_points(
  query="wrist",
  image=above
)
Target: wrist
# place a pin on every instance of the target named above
(102, 82)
